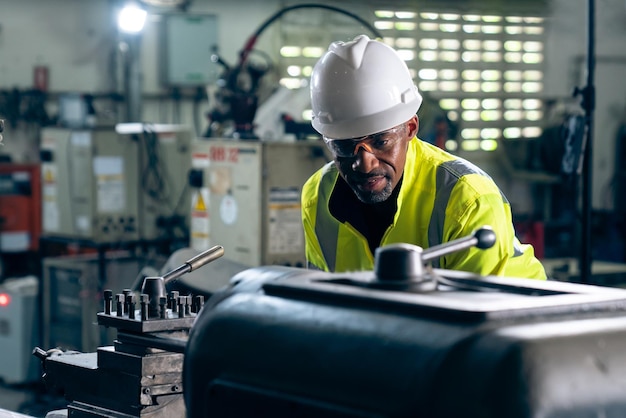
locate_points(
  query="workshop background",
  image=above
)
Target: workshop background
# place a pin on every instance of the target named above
(122, 153)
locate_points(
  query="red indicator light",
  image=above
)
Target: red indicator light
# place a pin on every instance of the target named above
(5, 299)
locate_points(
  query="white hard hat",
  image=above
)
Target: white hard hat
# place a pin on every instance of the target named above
(361, 87)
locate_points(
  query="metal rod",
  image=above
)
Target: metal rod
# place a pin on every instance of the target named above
(195, 263)
(587, 196)
(452, 246)
(482, 238)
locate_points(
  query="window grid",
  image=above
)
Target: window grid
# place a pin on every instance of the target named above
(484, 71)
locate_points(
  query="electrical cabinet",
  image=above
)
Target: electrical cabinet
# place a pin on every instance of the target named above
(88, 184)
(247, 198)
(191, 66)
(20, 207)
(164, 163)
(117, 184)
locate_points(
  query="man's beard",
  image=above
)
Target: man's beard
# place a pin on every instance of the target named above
(372, 197)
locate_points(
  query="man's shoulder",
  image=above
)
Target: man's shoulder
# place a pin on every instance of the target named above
(310, 190)
(328, 170)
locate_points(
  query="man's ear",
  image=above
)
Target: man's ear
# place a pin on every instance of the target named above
(413, 125)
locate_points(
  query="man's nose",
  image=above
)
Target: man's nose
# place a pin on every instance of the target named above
(364, 160)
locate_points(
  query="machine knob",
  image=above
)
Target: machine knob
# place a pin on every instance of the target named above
(154, 287)
(398, 262)
(402, 265)
(485, 238)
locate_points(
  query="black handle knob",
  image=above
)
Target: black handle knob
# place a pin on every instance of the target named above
(485, 238)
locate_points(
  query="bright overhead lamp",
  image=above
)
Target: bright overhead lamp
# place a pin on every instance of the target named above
(131, 18)
(167, 3)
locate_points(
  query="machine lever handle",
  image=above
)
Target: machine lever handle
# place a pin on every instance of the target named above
(398, 263)
(482, 238)
(194, 263)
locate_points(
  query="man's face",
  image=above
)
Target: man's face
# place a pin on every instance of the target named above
(377, 165)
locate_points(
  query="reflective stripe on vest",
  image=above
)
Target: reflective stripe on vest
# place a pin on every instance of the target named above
(326, 227)
(448, 174)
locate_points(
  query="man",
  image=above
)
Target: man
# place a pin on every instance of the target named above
(385, 185)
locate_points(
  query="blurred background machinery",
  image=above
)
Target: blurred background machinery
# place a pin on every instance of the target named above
(246, 197)
(19, 329)
(90, 184)
(20, 219)
(72, 287)
(114, 199)
(109, 185)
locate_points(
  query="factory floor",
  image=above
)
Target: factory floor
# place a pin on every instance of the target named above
(32, 400)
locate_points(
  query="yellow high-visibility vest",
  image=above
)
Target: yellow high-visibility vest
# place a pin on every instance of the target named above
(442, 198)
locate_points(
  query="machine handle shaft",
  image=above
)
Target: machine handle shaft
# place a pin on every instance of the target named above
(195, 263)
(482, 238)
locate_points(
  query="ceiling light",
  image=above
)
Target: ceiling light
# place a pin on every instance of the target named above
(131, 18)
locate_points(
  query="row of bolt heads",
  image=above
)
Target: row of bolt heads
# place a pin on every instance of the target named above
(173, 306)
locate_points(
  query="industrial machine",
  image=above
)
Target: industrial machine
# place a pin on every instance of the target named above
(403, 340)
(88, 178)
(20, 218)
(246, 194)
(20, 207)
(165, 160)
(109, 184)
(238, 98)
(137, 376)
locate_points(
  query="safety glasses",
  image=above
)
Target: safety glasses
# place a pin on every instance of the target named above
(378, 144)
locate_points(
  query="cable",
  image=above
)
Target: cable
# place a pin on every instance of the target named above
(154, 180)
(249, 45)
(156, 184)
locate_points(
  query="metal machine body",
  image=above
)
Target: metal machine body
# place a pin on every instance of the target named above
(406, 341)
(128, 379)
(246, 195)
